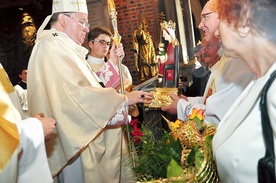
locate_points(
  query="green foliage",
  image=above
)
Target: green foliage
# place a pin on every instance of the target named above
(154, 155)
(174, 169)
(198, 123)
(196, 156)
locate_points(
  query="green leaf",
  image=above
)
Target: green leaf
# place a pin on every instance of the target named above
(199, 157)
(198, 123)
(209, 139)
(174, 169)
(191, 157)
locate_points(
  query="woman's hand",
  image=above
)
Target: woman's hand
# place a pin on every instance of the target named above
(135, 97)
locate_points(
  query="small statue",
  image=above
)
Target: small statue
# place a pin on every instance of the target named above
(168, 30)
(145, 57)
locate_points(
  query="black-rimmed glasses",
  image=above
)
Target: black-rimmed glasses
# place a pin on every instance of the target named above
(103, 42)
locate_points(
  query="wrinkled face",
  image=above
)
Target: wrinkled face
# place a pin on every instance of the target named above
(209, 22)
(23, 75)
(100, 46)
(210, 52)
(198, 56)
(232, 43)
(76, 26)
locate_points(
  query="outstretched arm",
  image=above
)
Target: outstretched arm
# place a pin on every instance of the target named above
(183, 106)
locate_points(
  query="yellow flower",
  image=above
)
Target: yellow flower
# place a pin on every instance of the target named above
(200, 114)
(193, 115)
(196, 113)
(177, 123)
(174, 125)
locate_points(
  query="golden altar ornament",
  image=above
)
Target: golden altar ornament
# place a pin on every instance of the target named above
(196, 141)
(161, 97)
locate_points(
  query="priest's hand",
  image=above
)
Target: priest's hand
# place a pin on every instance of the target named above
(172, 108)
(183, 97)
(48, 125)
(135, 97)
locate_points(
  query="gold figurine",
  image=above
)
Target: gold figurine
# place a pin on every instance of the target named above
(145, 57)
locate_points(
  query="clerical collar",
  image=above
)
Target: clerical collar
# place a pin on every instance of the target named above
(95, 60)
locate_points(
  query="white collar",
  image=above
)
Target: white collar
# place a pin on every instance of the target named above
(94, 60)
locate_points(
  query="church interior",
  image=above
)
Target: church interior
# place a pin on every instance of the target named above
(137, 91)
(23, 18)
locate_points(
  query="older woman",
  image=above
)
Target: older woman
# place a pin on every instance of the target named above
(247, 31)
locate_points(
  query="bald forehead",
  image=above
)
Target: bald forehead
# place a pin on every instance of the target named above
(206, 8)
(212, 40)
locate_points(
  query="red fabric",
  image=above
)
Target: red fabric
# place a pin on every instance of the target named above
(170, 54)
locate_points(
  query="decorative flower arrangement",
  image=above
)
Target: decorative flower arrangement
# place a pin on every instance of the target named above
(184, 154)
(136, 131)
(154, 155)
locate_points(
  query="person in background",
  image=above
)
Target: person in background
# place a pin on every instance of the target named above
(200, 75)
(210, 52)
(227, 81)
(198, 53)
(209, 49)
(21, 90)
(89, 143)
(23, 75)
(247, 31)
(23, 156)
(100, 42)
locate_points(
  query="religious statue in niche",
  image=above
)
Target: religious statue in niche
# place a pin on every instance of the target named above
(28, 30)
(167, 57)
(25, 40)
(145, 57)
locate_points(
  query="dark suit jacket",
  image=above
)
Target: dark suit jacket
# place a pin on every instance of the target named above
(200, 79)
(23, 85)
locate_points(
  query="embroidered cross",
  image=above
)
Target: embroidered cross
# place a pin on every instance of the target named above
(55, 34)
(55, 5)
(79, 4)
(210, 91)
